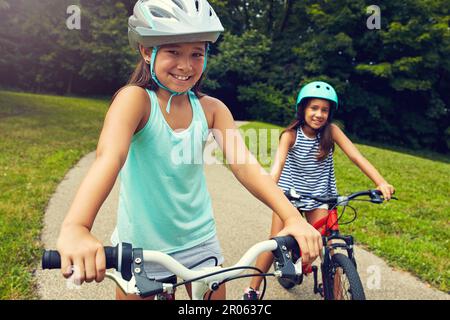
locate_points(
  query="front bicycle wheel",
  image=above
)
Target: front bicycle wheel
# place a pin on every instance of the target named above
(342, 281)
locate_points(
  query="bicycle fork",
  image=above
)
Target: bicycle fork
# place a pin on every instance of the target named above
(318, 287)
(327, 264)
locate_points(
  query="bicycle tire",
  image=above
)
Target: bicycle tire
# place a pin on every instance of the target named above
(286, 283)
(355, 290)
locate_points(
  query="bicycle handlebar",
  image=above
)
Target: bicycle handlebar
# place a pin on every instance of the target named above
(127, 261)
(374, 195)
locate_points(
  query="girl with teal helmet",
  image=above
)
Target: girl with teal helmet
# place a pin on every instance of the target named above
(304, 162)
(159, 22)
(164, 204)
(323, 93)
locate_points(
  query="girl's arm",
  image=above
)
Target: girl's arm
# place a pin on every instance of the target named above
(255, 179)
(75, 243)
(357, 158)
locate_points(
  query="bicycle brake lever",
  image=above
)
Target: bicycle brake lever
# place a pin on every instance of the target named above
(127, 287)
(376, 198)
(293, 194)
(144, 285)
(283, 260)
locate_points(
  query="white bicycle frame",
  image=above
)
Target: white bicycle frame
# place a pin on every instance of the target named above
(201, 286)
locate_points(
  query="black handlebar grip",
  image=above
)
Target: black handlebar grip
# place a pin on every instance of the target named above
(112, 257)
(284, 262)
(51, 259)
(291, 243)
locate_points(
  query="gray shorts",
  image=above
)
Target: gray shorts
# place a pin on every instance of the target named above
(189, 257)
(323, 206)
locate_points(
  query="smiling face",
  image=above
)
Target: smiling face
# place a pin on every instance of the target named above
(317, 112)
(179, 66)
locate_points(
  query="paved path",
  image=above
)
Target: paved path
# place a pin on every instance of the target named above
(242, 220)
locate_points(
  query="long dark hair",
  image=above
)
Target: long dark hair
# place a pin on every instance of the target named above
(326, 143)
(141, 77)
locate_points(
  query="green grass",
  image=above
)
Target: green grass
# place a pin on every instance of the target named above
(41, 137)
(412, 233)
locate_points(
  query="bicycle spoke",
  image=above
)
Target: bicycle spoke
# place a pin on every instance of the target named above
(346, 289)
(341, 286)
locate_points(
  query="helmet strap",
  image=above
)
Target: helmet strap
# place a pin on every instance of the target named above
(206, 57)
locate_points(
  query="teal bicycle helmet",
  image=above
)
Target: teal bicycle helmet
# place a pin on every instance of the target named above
(317, 89)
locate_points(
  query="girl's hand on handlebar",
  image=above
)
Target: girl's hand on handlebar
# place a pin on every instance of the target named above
(79, 248)
(387, 190)
(307, 237)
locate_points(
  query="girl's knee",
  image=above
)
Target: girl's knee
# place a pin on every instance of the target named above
(315, 215)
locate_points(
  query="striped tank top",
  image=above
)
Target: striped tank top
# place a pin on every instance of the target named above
(303, 172)
(164, 203)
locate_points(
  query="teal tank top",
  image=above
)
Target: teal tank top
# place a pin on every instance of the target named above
(164, 203)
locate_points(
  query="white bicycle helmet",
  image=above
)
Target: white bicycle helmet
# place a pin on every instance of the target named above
(158, 22)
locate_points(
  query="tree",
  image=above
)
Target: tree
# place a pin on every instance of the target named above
(393, 83)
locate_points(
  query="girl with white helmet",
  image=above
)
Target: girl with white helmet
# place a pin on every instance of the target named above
(164, 203)
(304, 162)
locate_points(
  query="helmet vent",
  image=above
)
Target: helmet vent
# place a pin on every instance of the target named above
(196, 4)
(160, 13)
(317, 86)
(179, 4)
(328, 88)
